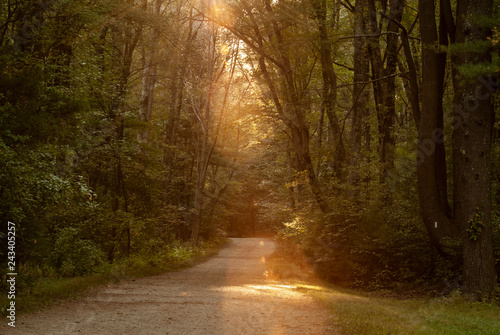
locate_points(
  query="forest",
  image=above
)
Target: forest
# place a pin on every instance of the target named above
(362, 135)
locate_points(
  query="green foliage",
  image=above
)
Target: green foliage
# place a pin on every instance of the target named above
(372, 243)
(471, 47)
(477, 70)
(476, 225)
(80, 186)
(490, 46)
(74, 256)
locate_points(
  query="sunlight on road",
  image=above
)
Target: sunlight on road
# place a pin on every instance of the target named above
(268, 309)
(287, 291)
(254, 301)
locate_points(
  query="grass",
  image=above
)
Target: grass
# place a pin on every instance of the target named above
(359, 313)
(46, 291)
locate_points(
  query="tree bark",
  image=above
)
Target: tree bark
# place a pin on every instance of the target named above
(439, 227)
(384, 86)
(149, 77)
(179, 66)
(360, 94)
(472, 138)
(329, 94)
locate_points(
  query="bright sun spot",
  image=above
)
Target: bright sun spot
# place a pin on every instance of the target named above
(222, 14)
(224, 49)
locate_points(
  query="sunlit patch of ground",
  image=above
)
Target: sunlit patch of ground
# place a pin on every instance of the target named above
(288, 291)
(271, 308)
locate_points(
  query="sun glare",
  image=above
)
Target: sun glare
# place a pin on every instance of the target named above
(222, 14)
(224, 49)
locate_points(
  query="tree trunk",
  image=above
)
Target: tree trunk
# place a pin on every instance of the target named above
(439, 227)
(290, 167)
(329, 94)
(202, 159)
(149, 78)
(472, 137)
(360, 90)
(384, 86)
(179, 66)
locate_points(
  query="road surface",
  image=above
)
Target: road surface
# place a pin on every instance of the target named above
(229, 294)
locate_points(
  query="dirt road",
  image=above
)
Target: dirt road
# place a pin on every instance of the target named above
(228, 294)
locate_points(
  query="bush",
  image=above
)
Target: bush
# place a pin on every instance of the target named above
(371, 244)
(74, 256)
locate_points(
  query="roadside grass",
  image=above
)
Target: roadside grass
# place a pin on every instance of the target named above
(358, 313)
(46, 291)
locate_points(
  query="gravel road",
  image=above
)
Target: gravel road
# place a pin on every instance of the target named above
(228, 294)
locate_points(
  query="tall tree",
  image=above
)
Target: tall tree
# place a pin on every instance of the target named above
(208, 106)
(286, 76)
(329, 91)
(473, 125)
(472, 143)
(360, 94)
(429, 166)
(149, 71)
(383, 69)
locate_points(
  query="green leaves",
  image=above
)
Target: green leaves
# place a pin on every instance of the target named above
(476, 225)
(74, 256)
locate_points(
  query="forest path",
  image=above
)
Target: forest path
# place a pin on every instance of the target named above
(228, 294)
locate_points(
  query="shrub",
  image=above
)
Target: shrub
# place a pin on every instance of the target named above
(74, 256)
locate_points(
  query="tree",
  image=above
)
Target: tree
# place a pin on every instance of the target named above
(360, 94)
(329, 89)
(383, 68)
(149, 71)
(472, 147)
(287, 79)
(472, 129)
(431, 170)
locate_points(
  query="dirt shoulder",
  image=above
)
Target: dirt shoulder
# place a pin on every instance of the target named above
(228, 294)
